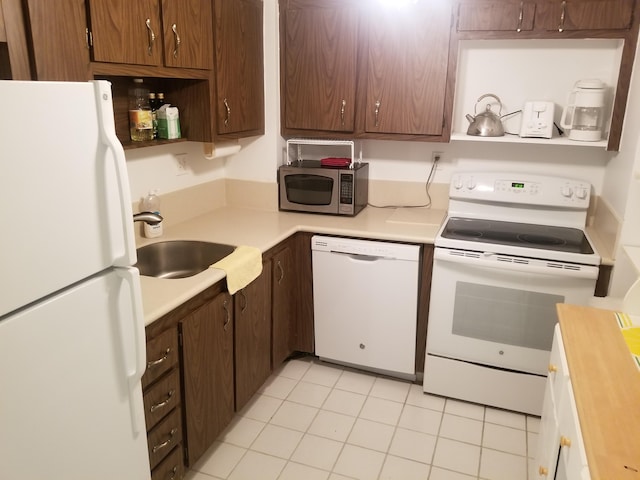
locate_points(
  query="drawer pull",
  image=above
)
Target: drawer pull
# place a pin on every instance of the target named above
(543, 471)
(552, 368)
(167, 442)
(565, 442)
(153, 363)
(164, 403)
(172, 473)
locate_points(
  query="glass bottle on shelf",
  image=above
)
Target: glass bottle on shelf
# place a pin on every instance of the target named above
(140, 117)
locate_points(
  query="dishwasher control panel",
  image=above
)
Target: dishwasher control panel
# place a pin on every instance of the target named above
(368, 248)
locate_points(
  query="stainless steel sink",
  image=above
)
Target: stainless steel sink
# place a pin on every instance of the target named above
(179, 258)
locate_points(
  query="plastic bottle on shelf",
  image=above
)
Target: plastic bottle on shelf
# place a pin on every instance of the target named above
(151, 203)
(140, 117)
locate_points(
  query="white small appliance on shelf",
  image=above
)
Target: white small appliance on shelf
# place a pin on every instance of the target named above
(537, 120)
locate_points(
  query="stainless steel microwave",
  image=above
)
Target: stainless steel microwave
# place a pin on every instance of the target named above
(306, 186)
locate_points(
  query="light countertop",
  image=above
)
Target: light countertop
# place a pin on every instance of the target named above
(266, 229)
(606, 386)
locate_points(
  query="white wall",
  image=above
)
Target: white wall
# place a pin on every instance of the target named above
(621, 188)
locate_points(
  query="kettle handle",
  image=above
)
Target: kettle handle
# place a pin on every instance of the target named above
(570, 106)
(475, 108)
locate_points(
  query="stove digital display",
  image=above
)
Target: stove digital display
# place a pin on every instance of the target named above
(517, 185)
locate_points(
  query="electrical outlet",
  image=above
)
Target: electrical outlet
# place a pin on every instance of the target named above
(436, 156)
(182, 163)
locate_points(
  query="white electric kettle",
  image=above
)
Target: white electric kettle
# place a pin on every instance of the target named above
(585, 109)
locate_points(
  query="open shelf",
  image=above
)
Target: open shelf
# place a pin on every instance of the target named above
(463, 137)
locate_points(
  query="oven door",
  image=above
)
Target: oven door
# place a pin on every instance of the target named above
(500, 310)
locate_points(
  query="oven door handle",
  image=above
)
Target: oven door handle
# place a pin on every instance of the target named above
(516, 264)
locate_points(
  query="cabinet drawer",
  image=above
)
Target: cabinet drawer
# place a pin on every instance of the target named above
(166, 435)
(162, 354)
(171, 468)
(160, 399)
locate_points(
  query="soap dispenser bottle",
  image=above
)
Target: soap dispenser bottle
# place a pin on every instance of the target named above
(151, 203)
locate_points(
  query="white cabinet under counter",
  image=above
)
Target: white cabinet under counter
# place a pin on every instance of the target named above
(590, 419)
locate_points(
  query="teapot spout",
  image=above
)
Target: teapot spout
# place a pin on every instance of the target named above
(470, 118)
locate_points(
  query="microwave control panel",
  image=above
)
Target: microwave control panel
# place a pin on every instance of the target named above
(346, 188)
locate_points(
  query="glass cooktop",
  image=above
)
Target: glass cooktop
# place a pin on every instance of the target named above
(544, 237)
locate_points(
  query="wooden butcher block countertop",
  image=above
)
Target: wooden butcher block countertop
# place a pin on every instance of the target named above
(606, 386)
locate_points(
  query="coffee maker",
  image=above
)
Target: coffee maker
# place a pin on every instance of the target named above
(584, 112)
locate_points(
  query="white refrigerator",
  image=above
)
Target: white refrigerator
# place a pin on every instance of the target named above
(72, 347)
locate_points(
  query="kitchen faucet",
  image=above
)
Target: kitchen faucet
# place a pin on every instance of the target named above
(147, 217)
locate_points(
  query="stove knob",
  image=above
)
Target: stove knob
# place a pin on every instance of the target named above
(567, 191)
(581, 193)
(471, 184)
(457, 184)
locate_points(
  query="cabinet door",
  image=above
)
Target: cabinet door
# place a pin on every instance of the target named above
(496, 16)
(126, 32)
(319, 57)
(283, 310)
(406, 73)
(567, 15)
(207, 351)
(252, 336)
(188, 33)
(59, 39)
(239, 66)
(548, 437)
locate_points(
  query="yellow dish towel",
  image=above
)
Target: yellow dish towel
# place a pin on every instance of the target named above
(242, 267)
(631, 333)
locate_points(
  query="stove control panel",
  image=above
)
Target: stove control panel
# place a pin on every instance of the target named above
(520, 188)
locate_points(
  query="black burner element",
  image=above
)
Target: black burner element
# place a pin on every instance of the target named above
(545, 237)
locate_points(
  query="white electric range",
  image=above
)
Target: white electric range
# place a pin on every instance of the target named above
(512, 246)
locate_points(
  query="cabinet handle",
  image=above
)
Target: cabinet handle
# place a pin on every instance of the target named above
(228, 117)
(542, 471)
(173, 472)
(344, 104)
(377, 111)
(279, 265)
(244, 303)
(176, 40)
(552, 368)
(164, 403)
(562, 14)
(227, 320)
(89, 38)
(166, 443)
(151, 36)
(520, 17)
(162, 359)
(565, 442)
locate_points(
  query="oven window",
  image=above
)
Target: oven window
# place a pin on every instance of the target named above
(505, 315)
(309, 189)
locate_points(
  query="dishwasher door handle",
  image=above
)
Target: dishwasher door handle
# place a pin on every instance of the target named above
(360, 257)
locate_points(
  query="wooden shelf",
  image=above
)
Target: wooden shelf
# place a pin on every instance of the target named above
(463, 137)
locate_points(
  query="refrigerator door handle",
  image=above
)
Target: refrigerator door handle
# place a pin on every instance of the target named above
(110, 140)
(132, 341)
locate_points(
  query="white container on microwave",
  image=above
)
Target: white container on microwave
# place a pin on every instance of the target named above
(306, 186)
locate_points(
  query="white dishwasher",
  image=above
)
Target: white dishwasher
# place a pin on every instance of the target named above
(365, 302)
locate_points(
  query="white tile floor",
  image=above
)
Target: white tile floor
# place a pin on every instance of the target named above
(313, 420)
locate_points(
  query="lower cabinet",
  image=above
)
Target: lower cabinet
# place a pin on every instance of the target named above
(560, 454)
(252, 336)
(207, 369)
(162, 405)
